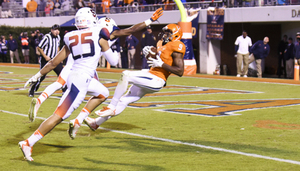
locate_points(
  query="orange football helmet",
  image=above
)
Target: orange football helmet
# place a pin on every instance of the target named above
(172, 32)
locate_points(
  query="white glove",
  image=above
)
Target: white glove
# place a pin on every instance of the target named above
(191, 14)
(146, 50)
(155, 62)
(33, 79)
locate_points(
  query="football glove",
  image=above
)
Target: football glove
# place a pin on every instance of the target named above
(146, 50)
(33, 79)
(158, 13)
(155, 62)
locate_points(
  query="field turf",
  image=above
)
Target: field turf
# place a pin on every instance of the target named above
(199, 123)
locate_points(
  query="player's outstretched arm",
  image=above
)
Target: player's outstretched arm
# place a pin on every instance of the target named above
(50, 65)
(63, 54)
(137, 27)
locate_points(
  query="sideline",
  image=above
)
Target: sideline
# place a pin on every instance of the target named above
(204, 76)
(179, 142)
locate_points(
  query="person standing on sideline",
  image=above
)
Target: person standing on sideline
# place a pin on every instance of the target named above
(131, 43)
(31, 7)
(242, 46)
(25, 46)
(289, 58)
(3, 50)
(13, 49)
(259, 51)
(116, 47)
(297, 50)
(281, 56)
(148, 39)
(48, 47)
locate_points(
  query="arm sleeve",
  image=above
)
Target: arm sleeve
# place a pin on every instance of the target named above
(111, 57)
(236, 47)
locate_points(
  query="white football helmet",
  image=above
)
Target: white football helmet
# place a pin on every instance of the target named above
(108, 23)
(85, 17)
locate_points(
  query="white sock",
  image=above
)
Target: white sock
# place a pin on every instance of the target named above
(82, 115)
(35, 137)
(49, 91)
(101, 120)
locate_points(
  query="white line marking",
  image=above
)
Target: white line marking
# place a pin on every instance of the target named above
(180, 142)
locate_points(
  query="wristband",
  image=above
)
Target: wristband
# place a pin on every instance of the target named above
(38, 75)
(148, 22)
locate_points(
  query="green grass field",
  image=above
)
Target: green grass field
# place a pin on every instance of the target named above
(194, 124)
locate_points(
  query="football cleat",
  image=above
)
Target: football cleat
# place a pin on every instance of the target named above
(73, 128)
(91, 122)
(34, 107)
(26, 150)
(106, 111)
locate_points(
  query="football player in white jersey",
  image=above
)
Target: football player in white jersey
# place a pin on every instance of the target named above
(85, 45)
(169, 60)
(115, 32)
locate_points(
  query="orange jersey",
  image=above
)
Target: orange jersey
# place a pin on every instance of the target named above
(165, 53)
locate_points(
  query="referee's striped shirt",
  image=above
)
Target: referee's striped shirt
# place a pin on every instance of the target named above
(50, 45)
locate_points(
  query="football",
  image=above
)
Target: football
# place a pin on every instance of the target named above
(152, 53)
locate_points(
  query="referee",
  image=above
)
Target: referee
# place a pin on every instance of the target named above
(48, 47)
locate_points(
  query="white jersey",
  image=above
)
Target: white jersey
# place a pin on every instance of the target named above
(85, 48)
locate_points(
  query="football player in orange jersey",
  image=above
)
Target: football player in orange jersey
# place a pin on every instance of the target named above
(169, 60)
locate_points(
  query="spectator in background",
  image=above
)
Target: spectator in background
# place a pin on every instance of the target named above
(131, 43)
(32, 44)
(66, 7)
(47, 10)
(31, 8)
(116, 47)
(242, 46)
(297, 50)
(38, 38)
(13, 49)
(105, 6)
(91, 5)
(118, 4)
(6, 12)
(79, 4)
(3, 48)
(289, 58)
(41, 8)
(281, 56)
(57, 6)
(148, 39)
(25, 46)
(50, 4)
(259, 51)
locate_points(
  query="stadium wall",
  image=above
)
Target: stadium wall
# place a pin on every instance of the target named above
(272, 21)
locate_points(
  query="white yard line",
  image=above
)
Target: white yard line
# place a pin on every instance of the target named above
(180, 142)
